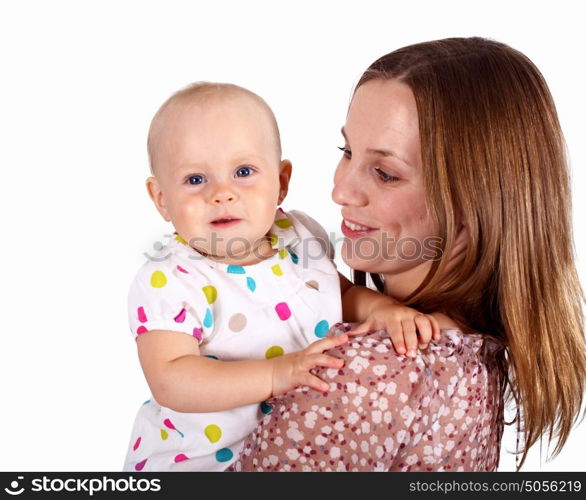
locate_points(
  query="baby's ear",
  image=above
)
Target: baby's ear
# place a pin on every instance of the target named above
(284, 178)
(156, 194)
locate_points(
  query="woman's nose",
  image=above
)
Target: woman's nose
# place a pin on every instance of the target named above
(349, 189)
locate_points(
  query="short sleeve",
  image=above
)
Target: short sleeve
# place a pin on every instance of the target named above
(316, 230)
(160, 299)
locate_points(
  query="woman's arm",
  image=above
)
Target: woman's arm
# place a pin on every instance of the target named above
(439, 411)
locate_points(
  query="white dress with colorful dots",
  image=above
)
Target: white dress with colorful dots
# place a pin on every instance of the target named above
(277, 306)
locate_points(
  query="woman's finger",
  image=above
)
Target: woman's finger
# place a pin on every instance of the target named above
(410, 335)
(395, 332)
(436, 327)
(425, 330)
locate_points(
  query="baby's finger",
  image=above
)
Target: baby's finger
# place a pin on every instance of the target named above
(324, 360)
(410, 335)
(315, 383)
(360, 329)
(424, 328)
(327, 343)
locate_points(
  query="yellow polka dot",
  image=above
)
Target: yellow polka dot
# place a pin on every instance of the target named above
(274, 351)
(277, 270)
(164, 434)
(283, 253)
(283, 223)
(180, 239)
(274, 239)
(213, 433)
(211, 293)
(158, 279)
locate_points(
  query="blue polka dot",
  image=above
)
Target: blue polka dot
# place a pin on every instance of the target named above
(322, 328)
(224, 455)
(251, 284)
(147, 402)
(294, 257)
(266, 408)
(208, 320)
(211, 356)
(236, 270)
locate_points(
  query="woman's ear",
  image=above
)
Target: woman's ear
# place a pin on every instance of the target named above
(156, 194)
(284, 178)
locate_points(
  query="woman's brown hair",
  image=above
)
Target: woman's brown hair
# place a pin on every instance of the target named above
(494, 161)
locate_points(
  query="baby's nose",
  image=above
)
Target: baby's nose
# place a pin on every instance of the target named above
(224, 196)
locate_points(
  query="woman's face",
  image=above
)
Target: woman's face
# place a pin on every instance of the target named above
(379, 185)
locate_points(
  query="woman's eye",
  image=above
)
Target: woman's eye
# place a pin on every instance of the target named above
(346, 152)
(194, 180)
(243, 172)
(384, 176)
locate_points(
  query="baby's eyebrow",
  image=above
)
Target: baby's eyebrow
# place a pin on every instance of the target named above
(380, 152)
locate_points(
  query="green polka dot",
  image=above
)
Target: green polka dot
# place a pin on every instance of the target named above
(277, 270)
(158, 279)
(180, 240)
(213, 433)
(274, 239)
(274, 351)
(283, 253)
(211, 293)
(283, 223)
(164, 434)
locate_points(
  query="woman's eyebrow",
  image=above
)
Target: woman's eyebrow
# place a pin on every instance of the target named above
(381, 152)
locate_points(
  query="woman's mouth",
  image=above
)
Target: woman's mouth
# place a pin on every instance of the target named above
(352, 229)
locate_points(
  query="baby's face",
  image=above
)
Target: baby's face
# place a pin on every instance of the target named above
(219, 175)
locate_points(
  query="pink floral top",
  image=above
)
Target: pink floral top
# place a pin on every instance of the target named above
(441, 411)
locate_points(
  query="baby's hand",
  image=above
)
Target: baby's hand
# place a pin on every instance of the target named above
(292, 370)
(407, 328)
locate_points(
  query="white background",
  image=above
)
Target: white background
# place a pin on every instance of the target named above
(80, 83)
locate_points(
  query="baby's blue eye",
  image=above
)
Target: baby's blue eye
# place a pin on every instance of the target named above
(243, 172)
(195, 180)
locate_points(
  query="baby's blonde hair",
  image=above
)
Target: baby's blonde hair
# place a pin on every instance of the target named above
(202, 92)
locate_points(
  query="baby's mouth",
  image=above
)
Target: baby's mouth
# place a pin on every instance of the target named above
(225, 221)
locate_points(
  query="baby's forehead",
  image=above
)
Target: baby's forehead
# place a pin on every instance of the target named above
(188, 106)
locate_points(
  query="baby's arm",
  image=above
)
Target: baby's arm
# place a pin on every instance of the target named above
(406, 327)
(184, 381)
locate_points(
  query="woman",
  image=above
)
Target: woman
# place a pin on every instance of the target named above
(455, 195)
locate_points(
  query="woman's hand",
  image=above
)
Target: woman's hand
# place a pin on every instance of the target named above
(293, 370)
(407, 328)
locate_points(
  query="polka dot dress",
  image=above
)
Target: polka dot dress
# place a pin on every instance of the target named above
(261, 311)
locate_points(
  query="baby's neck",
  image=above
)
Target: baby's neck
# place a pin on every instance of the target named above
(261, 252)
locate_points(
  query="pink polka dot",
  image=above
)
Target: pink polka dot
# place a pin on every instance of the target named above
(140, 465)
(180, 318)
(197, 333)
(283, 311)
(180, 458)
(141, 329)
(169, 424)
(137, 444)
(182, 270)
(141, 315)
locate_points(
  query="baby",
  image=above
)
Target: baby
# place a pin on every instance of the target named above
(236, 307)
